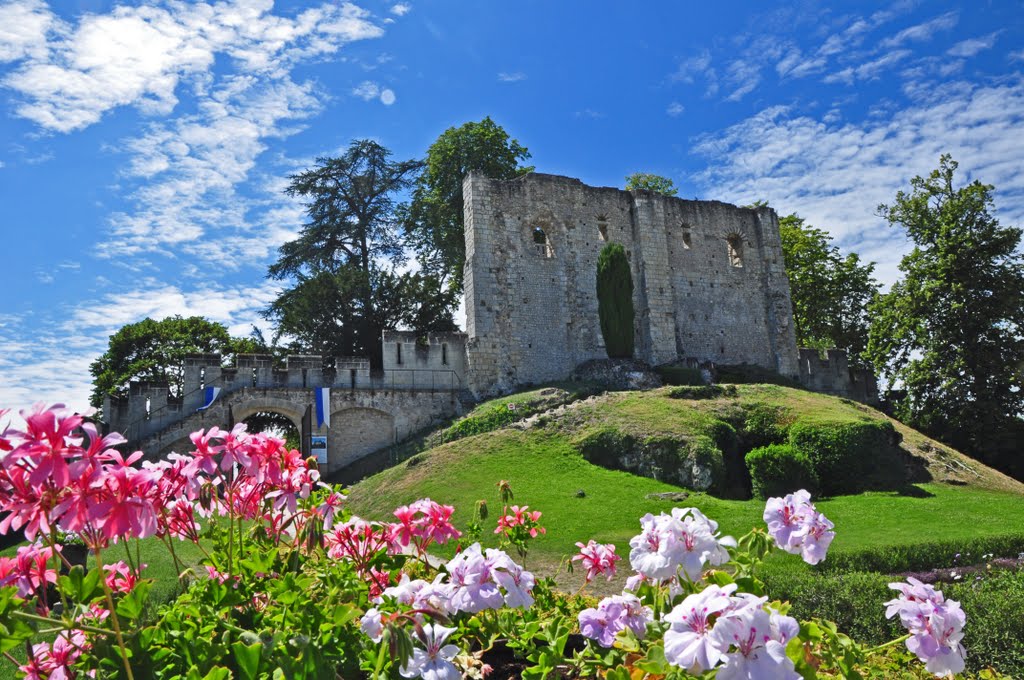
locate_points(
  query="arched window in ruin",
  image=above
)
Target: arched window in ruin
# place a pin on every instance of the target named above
(687, 239)
(735, 242)
(602, 227)
(541, 243)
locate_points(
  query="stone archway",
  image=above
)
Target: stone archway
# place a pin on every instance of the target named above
(285, 408)
(355, 432)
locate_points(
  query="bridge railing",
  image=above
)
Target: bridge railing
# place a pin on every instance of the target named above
(395, 379)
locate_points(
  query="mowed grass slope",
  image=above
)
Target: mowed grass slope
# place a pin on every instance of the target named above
(581, 501)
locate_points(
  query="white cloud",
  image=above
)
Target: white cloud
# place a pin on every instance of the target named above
(923, 31)
(511, 77)
(689, 69)
(743, 76)
(868, 70)
(589, 113)
(387, 97)
(1017, 56)
(972, 46)
(366, 90)
(190, 170)
(401, 9)
(138, 56)
(836, 174)
(24, 27)
(675, 109)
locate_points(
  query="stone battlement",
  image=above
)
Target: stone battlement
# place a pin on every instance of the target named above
(833, 375)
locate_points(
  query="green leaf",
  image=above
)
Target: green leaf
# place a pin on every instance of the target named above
(132, 604)
(248, 659)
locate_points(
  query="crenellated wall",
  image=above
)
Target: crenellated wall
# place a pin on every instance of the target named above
(833, 375)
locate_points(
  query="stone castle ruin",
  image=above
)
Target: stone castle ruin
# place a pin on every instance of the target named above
(709, 288)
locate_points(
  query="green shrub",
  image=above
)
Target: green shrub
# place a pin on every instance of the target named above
(894, 559)
(615, 300)
(779, 469)
(764, 424)
(492, 418)
(850, 457)
(993, 636)
(680, 375)
(697, 392)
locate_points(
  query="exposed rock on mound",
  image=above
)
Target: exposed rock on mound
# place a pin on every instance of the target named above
(618, 374)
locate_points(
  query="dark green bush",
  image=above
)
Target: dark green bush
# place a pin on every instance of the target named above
(779, 469)
(850, 457)
(615, 300)
(493, 418)
(680, 375)
(993, 636)
(764, 424)
(895, 559)
(701, 392)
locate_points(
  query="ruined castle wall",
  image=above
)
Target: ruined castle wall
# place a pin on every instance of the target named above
(531, 308)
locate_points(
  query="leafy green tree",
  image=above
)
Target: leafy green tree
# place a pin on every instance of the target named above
(434, 219)
(651, 182)
(615, 300)
(830, 292)
(153, 350)
(344, 265)
(950, 333)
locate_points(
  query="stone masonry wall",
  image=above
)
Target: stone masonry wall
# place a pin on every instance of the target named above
(708, 278)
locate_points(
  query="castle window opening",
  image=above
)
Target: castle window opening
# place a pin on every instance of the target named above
(540, 242)
(444, 354)
(398, 353)
(352, 377)
(735, 250)
(687, 239)
(602, 230)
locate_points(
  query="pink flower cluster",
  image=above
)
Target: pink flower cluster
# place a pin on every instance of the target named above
(475, 580)
(936, 626)
(597, 558)
(735, 633)
(28, 570)
(797, 527)
(59, 473)
(614, 614)
(54, 662)
(424, 522)
(520, 520)
(683, 540)
(121, 578)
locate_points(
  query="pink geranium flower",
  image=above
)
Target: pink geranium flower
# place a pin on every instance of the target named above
(597, 559)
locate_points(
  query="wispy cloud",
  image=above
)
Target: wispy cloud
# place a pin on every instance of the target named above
(401, 9)
(511, 77)
(139, 56)
(835, 174)
(589, 113)
(675, 109)
(923, 31)
(868, 70)
(972, 46)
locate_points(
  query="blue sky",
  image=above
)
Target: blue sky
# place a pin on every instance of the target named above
(144, 146)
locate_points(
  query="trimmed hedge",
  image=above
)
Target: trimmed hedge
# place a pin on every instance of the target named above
(895, 559)
(850, 457)
(994, 635)
(779, 469)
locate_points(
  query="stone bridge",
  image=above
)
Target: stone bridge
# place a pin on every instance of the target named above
(369, 410)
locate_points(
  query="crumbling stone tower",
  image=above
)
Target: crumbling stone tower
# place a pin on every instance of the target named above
(708, 277)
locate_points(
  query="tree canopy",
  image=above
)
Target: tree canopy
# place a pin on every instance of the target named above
(347, 286)
(830, 292)
(651, 182)
(153, 350)
(950, 333)
(433, 220)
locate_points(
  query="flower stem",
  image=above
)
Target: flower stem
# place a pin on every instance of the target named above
(890, 643)
(114, 618)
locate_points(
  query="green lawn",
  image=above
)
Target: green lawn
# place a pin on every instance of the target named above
(547, 473)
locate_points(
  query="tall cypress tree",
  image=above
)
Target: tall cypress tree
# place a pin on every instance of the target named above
(615, 300)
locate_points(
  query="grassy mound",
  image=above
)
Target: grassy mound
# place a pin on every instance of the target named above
(955, 499)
